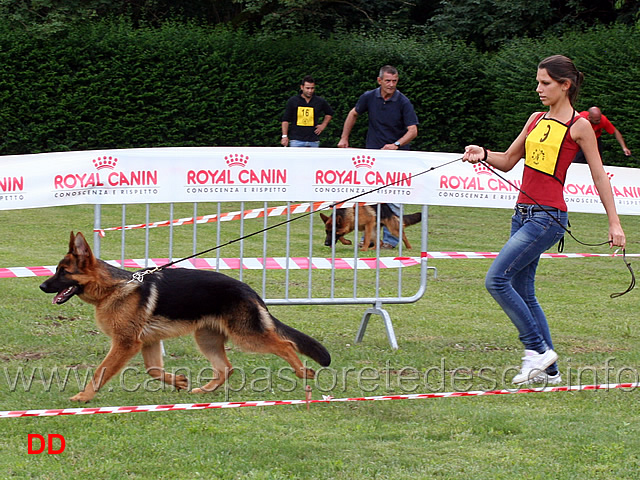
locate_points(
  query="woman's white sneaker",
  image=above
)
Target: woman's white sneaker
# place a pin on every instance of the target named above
(545, 379)
(533, 364)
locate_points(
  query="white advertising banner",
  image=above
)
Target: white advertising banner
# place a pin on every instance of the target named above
(211, 174)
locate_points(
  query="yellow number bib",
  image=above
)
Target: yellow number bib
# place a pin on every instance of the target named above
(543, 144)
(305, 117)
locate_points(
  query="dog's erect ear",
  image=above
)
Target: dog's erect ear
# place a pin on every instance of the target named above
(324, 218)
(80, 246)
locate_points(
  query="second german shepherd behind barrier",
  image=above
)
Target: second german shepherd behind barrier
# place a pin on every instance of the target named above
(170, 303)
(367, 221)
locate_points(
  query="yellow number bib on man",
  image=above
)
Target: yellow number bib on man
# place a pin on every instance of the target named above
(305, 117)
(543, 144)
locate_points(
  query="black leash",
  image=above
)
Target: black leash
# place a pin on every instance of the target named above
(632, 284)
(139, 276)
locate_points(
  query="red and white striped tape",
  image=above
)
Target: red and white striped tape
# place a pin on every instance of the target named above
(269, 263)
(293, 263)
(225, 217)
(326, 399)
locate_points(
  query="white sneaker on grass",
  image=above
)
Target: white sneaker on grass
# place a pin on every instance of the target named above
(533, 364)
(545, 379)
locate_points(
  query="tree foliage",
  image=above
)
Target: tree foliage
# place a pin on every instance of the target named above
(488, 24)
(485, 23)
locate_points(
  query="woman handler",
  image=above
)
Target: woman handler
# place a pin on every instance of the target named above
(548, 142)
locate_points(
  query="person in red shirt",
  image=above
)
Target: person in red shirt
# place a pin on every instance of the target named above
(599, 123)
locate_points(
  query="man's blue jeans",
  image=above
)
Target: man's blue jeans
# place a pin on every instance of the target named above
(387, 236)
(302, 143)
(511, 278)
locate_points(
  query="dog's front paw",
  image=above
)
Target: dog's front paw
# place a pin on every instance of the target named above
(366, 249)
(208, 388)
(82, 397)
(181, 382)
(198, 390)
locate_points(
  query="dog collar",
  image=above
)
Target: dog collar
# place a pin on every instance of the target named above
(139, 276)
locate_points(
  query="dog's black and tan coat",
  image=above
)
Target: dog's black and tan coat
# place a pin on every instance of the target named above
(170, 303)
(367, 222)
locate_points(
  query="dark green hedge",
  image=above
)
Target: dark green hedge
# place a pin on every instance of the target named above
(610, 61)
(108, 85)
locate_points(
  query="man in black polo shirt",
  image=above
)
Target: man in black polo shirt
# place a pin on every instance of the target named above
(393, 123)
(300, 120)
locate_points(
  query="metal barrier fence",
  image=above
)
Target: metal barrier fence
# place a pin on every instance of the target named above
(306, 272)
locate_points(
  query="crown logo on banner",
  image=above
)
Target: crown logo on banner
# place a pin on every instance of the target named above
(363, 161)
(482, 169)
(610, 175)
(105, 162)
(236, 160)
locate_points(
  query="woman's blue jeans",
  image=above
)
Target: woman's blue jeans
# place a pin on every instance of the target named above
(511, 277)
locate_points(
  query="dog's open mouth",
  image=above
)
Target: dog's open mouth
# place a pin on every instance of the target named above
(65, 295)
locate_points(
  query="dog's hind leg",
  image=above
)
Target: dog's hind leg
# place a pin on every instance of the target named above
(271, 342)
(211, 345)
(152, 354)
(406, 240)
(393, 225)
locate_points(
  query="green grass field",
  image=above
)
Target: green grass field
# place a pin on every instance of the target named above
(454, 338)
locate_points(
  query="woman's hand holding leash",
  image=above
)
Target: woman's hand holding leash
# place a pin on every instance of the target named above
(616, 236)
(474, 154)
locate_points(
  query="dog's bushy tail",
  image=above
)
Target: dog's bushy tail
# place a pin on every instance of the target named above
(411, 219)
(304, 343)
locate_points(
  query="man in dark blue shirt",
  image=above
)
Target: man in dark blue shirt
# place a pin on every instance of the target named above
(393, 123)
(392, 119)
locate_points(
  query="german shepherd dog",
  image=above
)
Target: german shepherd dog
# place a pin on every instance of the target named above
(367, 221)
(170, 303)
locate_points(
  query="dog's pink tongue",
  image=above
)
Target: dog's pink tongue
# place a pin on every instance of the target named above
(60, 296)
